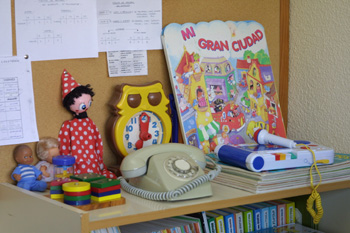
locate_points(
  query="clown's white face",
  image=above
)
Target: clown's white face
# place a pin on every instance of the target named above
(81, 104)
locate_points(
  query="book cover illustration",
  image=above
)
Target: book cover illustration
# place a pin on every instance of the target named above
(222, 80)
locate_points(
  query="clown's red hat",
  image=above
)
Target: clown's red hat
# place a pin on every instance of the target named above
(68, 83)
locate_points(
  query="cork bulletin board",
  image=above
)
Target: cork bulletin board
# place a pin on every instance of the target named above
(50, 113)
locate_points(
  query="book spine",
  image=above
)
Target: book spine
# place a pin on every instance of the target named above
(265, 214)
(265, 218)
(239, 222)
(291, 213)
(281, 212)
(229, 221)
(273, 216)
(220, 224)
(197, 227)
(230, 224)
(281, 216)
(238, 219)
(248, 221)
(219, 221)
(290, 210)
(211, 224)
(256, 216)
(202, 216)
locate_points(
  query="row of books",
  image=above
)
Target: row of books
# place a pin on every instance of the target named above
(178, 224)
(268, 181)
(239, 219)
(289, 228)
(252, 217)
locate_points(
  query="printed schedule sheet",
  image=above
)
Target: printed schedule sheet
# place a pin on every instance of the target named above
(17, 110)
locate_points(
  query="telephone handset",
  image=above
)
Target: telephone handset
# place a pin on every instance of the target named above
(171, 171)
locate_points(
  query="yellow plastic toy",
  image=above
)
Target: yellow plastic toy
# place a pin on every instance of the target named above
(140, 117)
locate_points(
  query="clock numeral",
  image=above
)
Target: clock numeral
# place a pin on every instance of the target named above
(127, 136)
(154, 141)
(156, 133)
(134, 120)
(129, 128)
(154, 124)
(144, 118)
(129, 145)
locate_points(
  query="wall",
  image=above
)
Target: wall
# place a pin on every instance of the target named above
(319, 94)
(47, 74)
(319, 72)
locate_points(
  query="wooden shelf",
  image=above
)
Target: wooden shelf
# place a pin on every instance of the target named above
(17, 205)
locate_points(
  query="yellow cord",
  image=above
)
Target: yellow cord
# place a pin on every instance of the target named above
(315, 196)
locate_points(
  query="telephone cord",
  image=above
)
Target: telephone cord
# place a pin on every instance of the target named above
(315, 196)
(172, 194)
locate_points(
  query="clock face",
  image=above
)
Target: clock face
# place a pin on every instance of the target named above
(143, 129)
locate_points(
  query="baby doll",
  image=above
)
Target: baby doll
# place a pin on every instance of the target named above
(46, 149)
(27, 175)
(80, 137)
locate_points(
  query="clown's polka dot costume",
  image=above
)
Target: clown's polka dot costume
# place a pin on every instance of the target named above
(81, 139)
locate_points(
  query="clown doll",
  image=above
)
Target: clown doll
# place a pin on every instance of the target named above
(80, 137)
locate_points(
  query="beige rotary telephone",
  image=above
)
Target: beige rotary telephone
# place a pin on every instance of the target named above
(171, 171)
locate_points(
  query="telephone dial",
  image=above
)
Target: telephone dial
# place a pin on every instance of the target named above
(171, 171)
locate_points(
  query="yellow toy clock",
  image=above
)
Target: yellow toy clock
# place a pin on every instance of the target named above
(140, 117)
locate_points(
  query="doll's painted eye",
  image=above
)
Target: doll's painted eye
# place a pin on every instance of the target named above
(90, 102)
(82, 106)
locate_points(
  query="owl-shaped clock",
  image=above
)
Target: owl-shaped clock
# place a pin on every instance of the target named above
(139, 118)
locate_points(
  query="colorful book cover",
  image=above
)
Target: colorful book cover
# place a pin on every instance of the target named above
(272, 214)
(281, 212)
(222, 80)
(203, 218)
(248, 218)
(290, 210)
(194, 222)
(211, 223)
(229, 220)
(238, 218)
(265, 215)
(256, 215)
(219, 221)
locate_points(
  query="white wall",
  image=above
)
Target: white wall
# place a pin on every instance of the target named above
(319, 88)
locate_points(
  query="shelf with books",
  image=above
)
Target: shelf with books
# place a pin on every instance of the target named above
(247, 218)
(135, 210)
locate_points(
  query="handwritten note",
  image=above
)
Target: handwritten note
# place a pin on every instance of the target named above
(56, 29)
(5, 28)
(129, 25)
(17, 110)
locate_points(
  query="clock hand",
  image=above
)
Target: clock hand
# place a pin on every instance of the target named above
(144, 134)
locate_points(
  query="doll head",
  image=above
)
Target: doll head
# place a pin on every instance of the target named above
(23, 154)
(76, 98)
(47, 148)
(79, 100)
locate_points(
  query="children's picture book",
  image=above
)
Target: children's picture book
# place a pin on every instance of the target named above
(222, 80)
